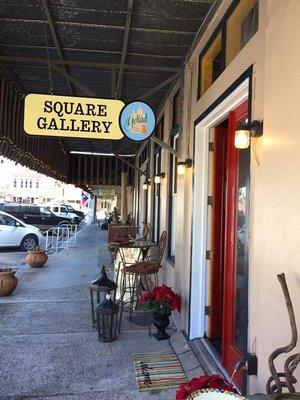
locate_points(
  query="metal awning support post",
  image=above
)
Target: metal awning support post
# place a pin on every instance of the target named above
(165, 146)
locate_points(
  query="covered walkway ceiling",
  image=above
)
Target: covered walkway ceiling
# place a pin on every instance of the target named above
(127, 49)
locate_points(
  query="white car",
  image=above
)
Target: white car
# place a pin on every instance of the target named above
(62, 211)
(15, 233)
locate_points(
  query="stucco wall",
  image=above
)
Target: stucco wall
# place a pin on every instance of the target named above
(276, 218)
(274, 52)
(275, 229)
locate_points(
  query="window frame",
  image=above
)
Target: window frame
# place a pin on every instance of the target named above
(221, 27)
(157, 194)
(172, 191)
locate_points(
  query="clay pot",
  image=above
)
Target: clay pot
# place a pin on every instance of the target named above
(36, 258)
(8, 281)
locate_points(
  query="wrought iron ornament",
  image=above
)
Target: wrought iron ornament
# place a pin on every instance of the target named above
(275, 384)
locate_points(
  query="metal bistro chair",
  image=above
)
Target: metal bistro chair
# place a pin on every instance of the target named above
(139, 278)
(118, 234)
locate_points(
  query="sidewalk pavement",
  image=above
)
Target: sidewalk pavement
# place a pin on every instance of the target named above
(48, 348)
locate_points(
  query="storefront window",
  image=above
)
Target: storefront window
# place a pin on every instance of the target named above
(156, 193)
(173, 201)
(211, 64)
(235, 30)
(240, 27)
(176, 110)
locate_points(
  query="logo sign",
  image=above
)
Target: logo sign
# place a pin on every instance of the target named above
(137, 121)
(79, 117)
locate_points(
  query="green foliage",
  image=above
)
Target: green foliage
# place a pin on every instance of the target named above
(158, 307)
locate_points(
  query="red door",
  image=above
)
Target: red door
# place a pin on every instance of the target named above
(217, 235)
(235, 300)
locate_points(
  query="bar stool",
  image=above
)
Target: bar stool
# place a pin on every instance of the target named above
(139, 278)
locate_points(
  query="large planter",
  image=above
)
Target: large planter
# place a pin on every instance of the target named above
(8, 281)
(161, 322)
(36, 258)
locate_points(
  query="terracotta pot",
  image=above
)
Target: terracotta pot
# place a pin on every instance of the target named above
(8, 281)
(36, 258)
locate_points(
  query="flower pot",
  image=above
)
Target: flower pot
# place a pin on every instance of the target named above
(36, 258)
(8, 281)
(161, 322)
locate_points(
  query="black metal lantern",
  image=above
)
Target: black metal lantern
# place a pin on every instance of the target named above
(100, 286)
(107, 319)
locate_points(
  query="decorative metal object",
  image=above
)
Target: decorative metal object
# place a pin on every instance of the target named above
(275, 383)
(107, 319)
(100, 286)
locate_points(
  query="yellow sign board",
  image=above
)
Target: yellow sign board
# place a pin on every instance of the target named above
(106, 192)
(79, 117)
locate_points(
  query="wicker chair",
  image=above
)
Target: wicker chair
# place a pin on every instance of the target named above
(139, 278)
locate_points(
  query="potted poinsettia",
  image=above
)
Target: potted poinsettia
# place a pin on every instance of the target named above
(197, 385)
(161, 301)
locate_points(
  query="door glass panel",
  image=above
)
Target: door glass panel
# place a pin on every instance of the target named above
(241, 281)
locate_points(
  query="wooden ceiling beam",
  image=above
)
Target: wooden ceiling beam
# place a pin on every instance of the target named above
(92, 64)
(55, 38)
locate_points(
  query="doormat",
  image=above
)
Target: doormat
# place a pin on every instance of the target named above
(157, 371)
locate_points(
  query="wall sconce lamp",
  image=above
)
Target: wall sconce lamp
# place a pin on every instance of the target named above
(245, 131)
(159, 177)
(182, 165)
(146, 184)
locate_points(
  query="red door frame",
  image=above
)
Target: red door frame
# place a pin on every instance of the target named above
(230, 354)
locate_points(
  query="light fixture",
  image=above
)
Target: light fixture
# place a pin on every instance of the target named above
(182, 165)
(146, 184)
(159, 177)
(245, 131)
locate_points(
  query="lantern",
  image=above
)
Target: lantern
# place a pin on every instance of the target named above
(100, 286)
(107, 319)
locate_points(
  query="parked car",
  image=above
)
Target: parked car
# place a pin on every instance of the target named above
(36, 215)
(15, 233)
(62, 211)
(72, 210)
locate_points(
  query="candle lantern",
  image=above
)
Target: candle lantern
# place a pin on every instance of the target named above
(107, 319)
(100, 287)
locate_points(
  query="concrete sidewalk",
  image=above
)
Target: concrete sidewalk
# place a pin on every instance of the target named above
(49, 349)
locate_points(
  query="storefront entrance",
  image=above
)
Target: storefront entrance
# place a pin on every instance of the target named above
(228, 281)
(219, 278)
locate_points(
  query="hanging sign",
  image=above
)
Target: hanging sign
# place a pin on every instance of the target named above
(79, 117)
(137, 121)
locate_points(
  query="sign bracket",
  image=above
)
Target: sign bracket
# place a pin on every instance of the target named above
(165, 146)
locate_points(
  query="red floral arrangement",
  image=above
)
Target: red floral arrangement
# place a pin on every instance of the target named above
(203, 382)
(162, 300)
